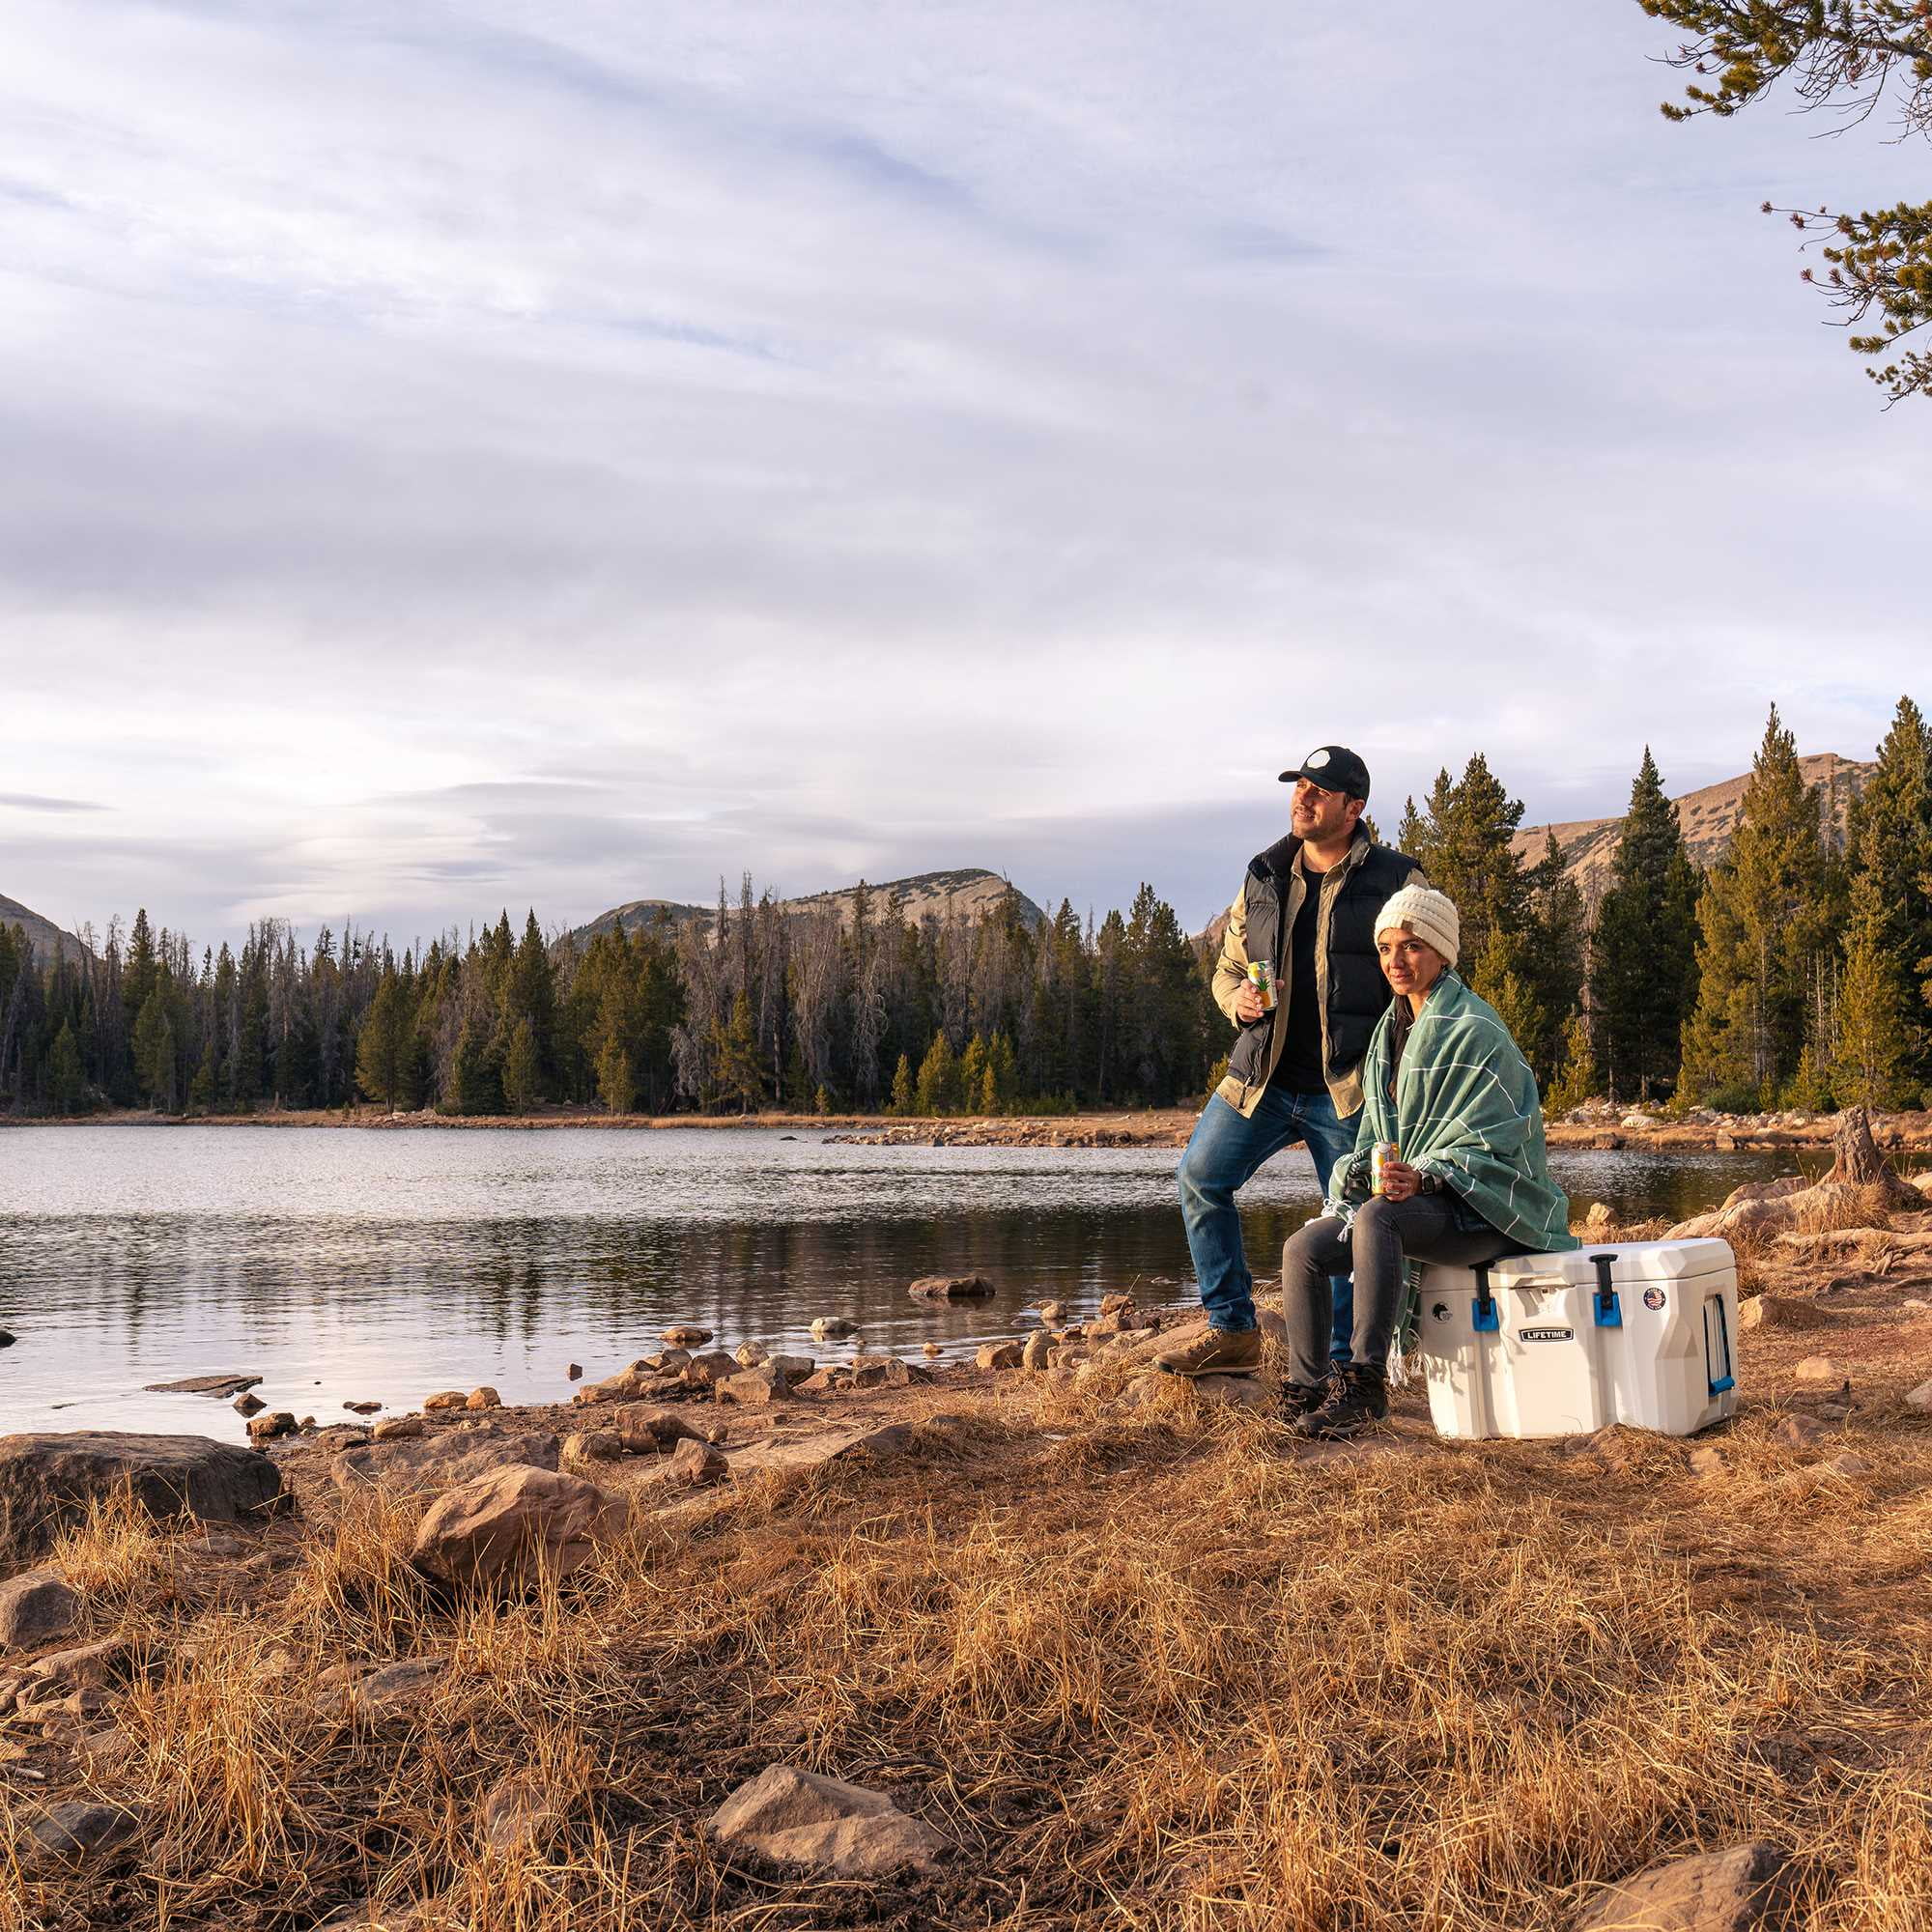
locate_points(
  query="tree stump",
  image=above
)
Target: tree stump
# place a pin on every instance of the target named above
(1855, 1160)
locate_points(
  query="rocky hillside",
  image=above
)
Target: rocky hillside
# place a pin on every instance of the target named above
(1709, 818)
(45, 936)
(969, 890)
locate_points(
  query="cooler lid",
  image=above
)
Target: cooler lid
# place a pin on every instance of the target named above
(1634, 1261)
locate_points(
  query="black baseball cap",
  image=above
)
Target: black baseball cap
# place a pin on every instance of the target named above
(1335, 768)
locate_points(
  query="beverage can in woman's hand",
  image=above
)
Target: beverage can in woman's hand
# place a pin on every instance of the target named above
(1262, 973)
(1379, 1156)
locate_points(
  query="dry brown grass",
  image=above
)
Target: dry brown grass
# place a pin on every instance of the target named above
(1146, 1668)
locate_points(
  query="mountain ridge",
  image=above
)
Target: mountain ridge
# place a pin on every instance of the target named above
(42, 934)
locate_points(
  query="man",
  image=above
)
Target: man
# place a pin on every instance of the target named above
(1308, 905)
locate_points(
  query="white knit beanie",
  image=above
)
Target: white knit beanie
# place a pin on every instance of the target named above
(1428, 914)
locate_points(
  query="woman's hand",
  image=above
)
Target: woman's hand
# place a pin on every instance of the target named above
(1399, 1181)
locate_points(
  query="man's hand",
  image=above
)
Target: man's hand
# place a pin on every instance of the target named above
(1399, 1181)
(1249, 1004)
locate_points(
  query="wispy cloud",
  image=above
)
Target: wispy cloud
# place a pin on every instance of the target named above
(29, 801)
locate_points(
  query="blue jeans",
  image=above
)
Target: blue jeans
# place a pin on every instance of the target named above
(1225, 1152)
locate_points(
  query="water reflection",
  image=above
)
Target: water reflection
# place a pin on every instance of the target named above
(368, 1265)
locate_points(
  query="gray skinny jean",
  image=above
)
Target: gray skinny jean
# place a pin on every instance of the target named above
(1387, 1234)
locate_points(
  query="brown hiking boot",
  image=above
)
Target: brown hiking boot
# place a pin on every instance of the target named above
(1220, 1351)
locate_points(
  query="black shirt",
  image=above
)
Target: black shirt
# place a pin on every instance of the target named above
(1299, 1067)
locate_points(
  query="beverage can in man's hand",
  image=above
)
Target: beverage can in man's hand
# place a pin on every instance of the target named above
(1262, 973)
(1379, 1156)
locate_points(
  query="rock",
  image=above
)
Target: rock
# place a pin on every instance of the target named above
(502, 1530)
(685, 1335)
(362, 1407)
(574, 1371)
(1601, 1215)
(1712, 1892)
(795, 1367)
(483, 1398)
(688, 1466)
(823, 1381)
(1707, 1464)
(443, 1399)
(646, 1429)
(266, 1428)
(1800, 1432)
(639, 1379)
(399, 1428)
(593, 1445)
(1816, 1369)
(756, 1387)
(1232, 1391)
(798, 1817)
(1052, 1314)
(47, 1480)
(1848, 1466)
(78, 1833)
(436, 1462)
(366, 1915)
(708, 1370)
(519, 1815)
(832, 1327)
(751, 1353)
(1037, 1352)
(1780, 1310)
(87, 1666)
(999, 1356)
(336, 1437)
(930, 1349)
(7, 1338)
(248, 1405)
(951, 1288)
(358, 1691)
(216, 1385)
(883, 1372)
(35, 1608)
(666, 1362)
(1921, 1397)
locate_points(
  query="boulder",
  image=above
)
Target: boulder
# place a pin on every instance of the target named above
(646, 1429)
(951, 1288)
(666, 1362)
(275, 1422)
(1921, 1397)
(483, 1398)
(825, 1380)
(1037, 1353)
(362, 1407)
(930, 1349)
(796, 1367)
(400, 1429)
(35, 1608)
(709, 1369)
(799, 1817)
(999, 1356)
(685, 1335)
(1780, 1310)
(443, 1399)
(1231, 1391)
(1816, 1369)
(833, 1327)
(521, 1814)
(830, 1445)
(754, 1387)
(1800, 1432)
(1713, 1891)
(79, 1832)
(751, 1353)
(215, 1386)
(883, 1372)
(436, 1462)
(371, 1691)
(504, 1529)
(688, 1466)
(639, 1379)
(574, 1371)
(593, 1445)
(87, 1666)
(1052, 1314)
(47, 1479)
(248, 1405)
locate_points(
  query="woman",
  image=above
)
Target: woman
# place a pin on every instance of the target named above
(1445, 1083)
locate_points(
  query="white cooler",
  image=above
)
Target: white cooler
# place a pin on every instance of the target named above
(1561, 1345)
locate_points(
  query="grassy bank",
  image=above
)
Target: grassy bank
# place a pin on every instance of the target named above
(1148, 1665)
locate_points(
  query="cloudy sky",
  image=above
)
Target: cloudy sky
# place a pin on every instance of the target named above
(489, 454)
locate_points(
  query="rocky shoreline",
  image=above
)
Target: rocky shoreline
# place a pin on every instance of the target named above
(720, 1629)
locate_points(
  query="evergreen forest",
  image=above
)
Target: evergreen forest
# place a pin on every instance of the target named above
(1796, 972)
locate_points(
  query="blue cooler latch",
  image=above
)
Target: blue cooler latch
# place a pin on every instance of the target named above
(1484, 1308)
(1608, 1313)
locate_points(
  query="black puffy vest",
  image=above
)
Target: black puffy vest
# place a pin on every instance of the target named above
(1357, 992)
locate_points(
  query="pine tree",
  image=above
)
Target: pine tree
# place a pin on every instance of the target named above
(1764, 922)
(154, 1044)
(1874, 1046)
(67, 1078)
(938, 1079)
(1643, 958)
(523, 1069)
(617, 1082)
(902, 1087)
(1576, 1079)
(381, 1043)
(740, 1071)
(972, 1077)
(207, 1082)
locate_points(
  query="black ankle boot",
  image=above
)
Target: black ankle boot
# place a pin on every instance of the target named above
(1299, 1401)
(1356, 1398)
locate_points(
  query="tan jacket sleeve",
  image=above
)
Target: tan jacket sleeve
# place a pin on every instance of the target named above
(1230, 970)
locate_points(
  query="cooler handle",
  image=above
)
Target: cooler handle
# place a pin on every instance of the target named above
(1484, 1307)
(1608, 1313)
(1729, 1379)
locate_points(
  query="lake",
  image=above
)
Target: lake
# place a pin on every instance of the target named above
(345, 1264)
